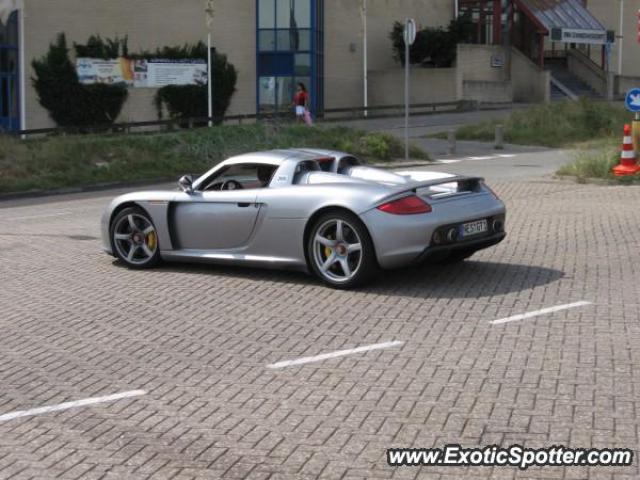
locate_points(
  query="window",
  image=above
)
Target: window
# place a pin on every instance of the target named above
(241, 177)
(289, 51)
(9, 54)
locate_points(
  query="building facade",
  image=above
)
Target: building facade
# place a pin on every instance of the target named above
(275, 44)
(272, 43)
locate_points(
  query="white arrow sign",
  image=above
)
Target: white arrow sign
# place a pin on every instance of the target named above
(410, 31)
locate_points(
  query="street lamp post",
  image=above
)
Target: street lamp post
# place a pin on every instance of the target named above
(209, 15)
(364, 51)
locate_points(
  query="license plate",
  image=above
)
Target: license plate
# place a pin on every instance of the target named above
(474, 228)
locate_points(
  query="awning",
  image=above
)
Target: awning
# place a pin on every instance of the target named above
(565, 20)
(7, 7)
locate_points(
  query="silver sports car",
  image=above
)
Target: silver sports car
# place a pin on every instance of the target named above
(316, 210)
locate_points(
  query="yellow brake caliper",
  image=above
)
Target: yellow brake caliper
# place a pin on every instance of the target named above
(151, 241)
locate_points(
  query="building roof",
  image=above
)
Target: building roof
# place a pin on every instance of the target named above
(562, 14)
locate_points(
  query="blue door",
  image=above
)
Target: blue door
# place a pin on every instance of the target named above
(290, 46)
(9, 61)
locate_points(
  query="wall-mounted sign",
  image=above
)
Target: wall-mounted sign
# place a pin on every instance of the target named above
(577, 35)
(153, 73)
(497, 61)
(110, 72)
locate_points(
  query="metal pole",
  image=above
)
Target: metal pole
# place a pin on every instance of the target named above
(209, 79)
(451, 138)
(620, 37)
(23, 72)
(366, 60)
(456, 9)
(406, 96)
(499, 140)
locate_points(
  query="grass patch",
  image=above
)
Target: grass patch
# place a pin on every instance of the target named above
(557, 124)
(596, 163)
(72, 161)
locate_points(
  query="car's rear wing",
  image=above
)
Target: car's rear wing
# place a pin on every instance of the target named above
(441, 187)
(436, 189)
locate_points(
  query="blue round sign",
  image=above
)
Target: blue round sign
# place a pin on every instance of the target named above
(632, 102)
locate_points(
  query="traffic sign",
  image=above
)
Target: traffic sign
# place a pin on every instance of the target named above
(632, 102)
(410, 31)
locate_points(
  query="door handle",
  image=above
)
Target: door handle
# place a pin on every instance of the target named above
(244, 205)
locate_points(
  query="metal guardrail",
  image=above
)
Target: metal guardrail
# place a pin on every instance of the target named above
(329, 115)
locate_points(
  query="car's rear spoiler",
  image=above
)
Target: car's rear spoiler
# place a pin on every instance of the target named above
(466, 185)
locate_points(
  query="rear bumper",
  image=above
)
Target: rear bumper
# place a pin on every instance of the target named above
(402, 240)
(441, 252)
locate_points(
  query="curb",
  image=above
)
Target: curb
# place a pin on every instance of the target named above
(395, 165)
(71, 190)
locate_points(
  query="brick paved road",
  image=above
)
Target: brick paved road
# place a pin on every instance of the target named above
(75, 325)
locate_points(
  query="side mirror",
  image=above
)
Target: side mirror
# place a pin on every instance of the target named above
(186, 184)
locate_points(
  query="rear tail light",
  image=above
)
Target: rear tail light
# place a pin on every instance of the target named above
(411, 205)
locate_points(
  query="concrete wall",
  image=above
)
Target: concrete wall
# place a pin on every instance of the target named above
(474, 63)
(530, 83)
(428, 85)
(624, 84)
(608, 12)
(487, 92)
(344, 60)
(154, 23)
(479, 80)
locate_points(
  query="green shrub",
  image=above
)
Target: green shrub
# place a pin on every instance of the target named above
(190, 101)
(554, 124)
(69, 103)
(72, 104)
(377, 144)
(588, 163)
(106, 49)
(436, 47)
(80, 160)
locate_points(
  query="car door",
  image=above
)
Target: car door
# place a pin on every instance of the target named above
(213, 220)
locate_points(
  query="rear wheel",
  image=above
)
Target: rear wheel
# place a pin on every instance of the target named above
(340, 251)
(134, 238)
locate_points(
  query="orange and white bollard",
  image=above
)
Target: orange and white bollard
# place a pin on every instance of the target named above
(628, 164)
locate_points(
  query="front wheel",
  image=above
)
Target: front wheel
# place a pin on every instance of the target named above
(340, 251)
(134, 238)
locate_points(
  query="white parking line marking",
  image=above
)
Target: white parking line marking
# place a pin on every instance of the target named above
(481, 158)
(467, 159)
(340, 353)
(537, 313)
(68, 405)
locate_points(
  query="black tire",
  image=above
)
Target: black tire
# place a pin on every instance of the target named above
(363, 261)
(458, 256)
(121, 226)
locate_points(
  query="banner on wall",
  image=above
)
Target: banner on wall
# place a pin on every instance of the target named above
(152, 73)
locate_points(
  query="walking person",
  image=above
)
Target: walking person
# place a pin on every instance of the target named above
(301, 103)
